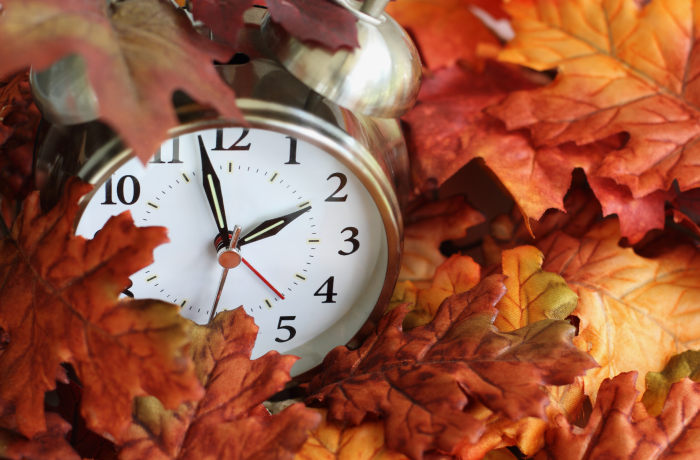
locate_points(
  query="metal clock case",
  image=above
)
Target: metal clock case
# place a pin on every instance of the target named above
(274, 101)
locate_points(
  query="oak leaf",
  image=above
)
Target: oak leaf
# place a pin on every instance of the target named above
(621, 428)
(426, 227)
(223, 424)
(447, 31)
(532, 295)
(658, 384)
(456, 275)
(420, 381)
(59, 303)
(620, 68)
(627, 302)
(137, 53)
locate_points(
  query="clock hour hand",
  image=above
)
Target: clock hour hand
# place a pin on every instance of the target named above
(212, 188)
(271, 227)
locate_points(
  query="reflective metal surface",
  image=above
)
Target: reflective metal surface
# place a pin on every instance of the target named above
(381, 78)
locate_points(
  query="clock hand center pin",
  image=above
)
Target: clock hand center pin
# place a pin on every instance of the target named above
(228, 258)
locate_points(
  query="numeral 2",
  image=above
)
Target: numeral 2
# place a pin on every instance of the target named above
(176, 153)
(235, 146)
(355, 243)
(120, 190)
(292, 331)
(343, 182)
(329, 294)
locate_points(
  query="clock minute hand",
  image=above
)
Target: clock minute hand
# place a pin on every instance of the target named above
(212, 188)
(270, 227)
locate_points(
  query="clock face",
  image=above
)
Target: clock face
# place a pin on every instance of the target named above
(312, 240)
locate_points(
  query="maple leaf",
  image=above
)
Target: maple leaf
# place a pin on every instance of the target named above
(620, 428)
(532, 295)
(447, 31)
(421, 380)
(221, 424)
(49, 445)
(620, 68)
(448, 128)
(456, 275)
(137, 54)
(59, 303)
(627, 302)
(658, 384)
(426, 228)
(318, 21)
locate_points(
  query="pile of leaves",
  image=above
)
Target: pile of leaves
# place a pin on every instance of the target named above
(570, 331)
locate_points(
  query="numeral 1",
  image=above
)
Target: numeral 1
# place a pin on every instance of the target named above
(292, 151)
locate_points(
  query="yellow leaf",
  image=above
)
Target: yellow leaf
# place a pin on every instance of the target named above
(686, 364)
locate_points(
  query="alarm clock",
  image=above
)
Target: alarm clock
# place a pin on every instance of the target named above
(294, 216)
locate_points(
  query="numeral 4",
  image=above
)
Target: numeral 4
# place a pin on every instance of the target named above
(329, 294)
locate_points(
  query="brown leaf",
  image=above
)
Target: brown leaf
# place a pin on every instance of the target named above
(620, 428)
(49, 445)
(426, 228)
(658, 384)
(59, 303)
(221, 424)
(420, 381)
(627, 302)
(322, 22)
(137, 54)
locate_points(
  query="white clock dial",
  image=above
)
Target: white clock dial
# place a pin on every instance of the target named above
(313, 243)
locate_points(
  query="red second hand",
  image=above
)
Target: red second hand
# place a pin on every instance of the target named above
(262, 278)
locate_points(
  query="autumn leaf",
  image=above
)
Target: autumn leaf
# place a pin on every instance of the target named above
(420, 381)
(335, 441)
(49, 445)
(137, 54)
(627, 302)
(426, 228)
(221, 424)
(458, 274)
(532, 295)
(658, 384)
(59, 303)
(620, 68)
(621, 428)
(447, 31)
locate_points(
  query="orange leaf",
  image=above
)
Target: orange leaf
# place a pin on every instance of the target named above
(620, 428)
(223, 424)
(420, 381)
(59, 303)
(620, 68)
(336, 441)
(427, 227)
(627, 302)
(50, 445)
(446, 31)
(137, 54)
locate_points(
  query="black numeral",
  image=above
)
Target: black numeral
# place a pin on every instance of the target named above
(292, 331)
(343, 182)
(329, 294)
(292, 151)
(176, 154)
(355, 243)
(235, 146)
(120, 190)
